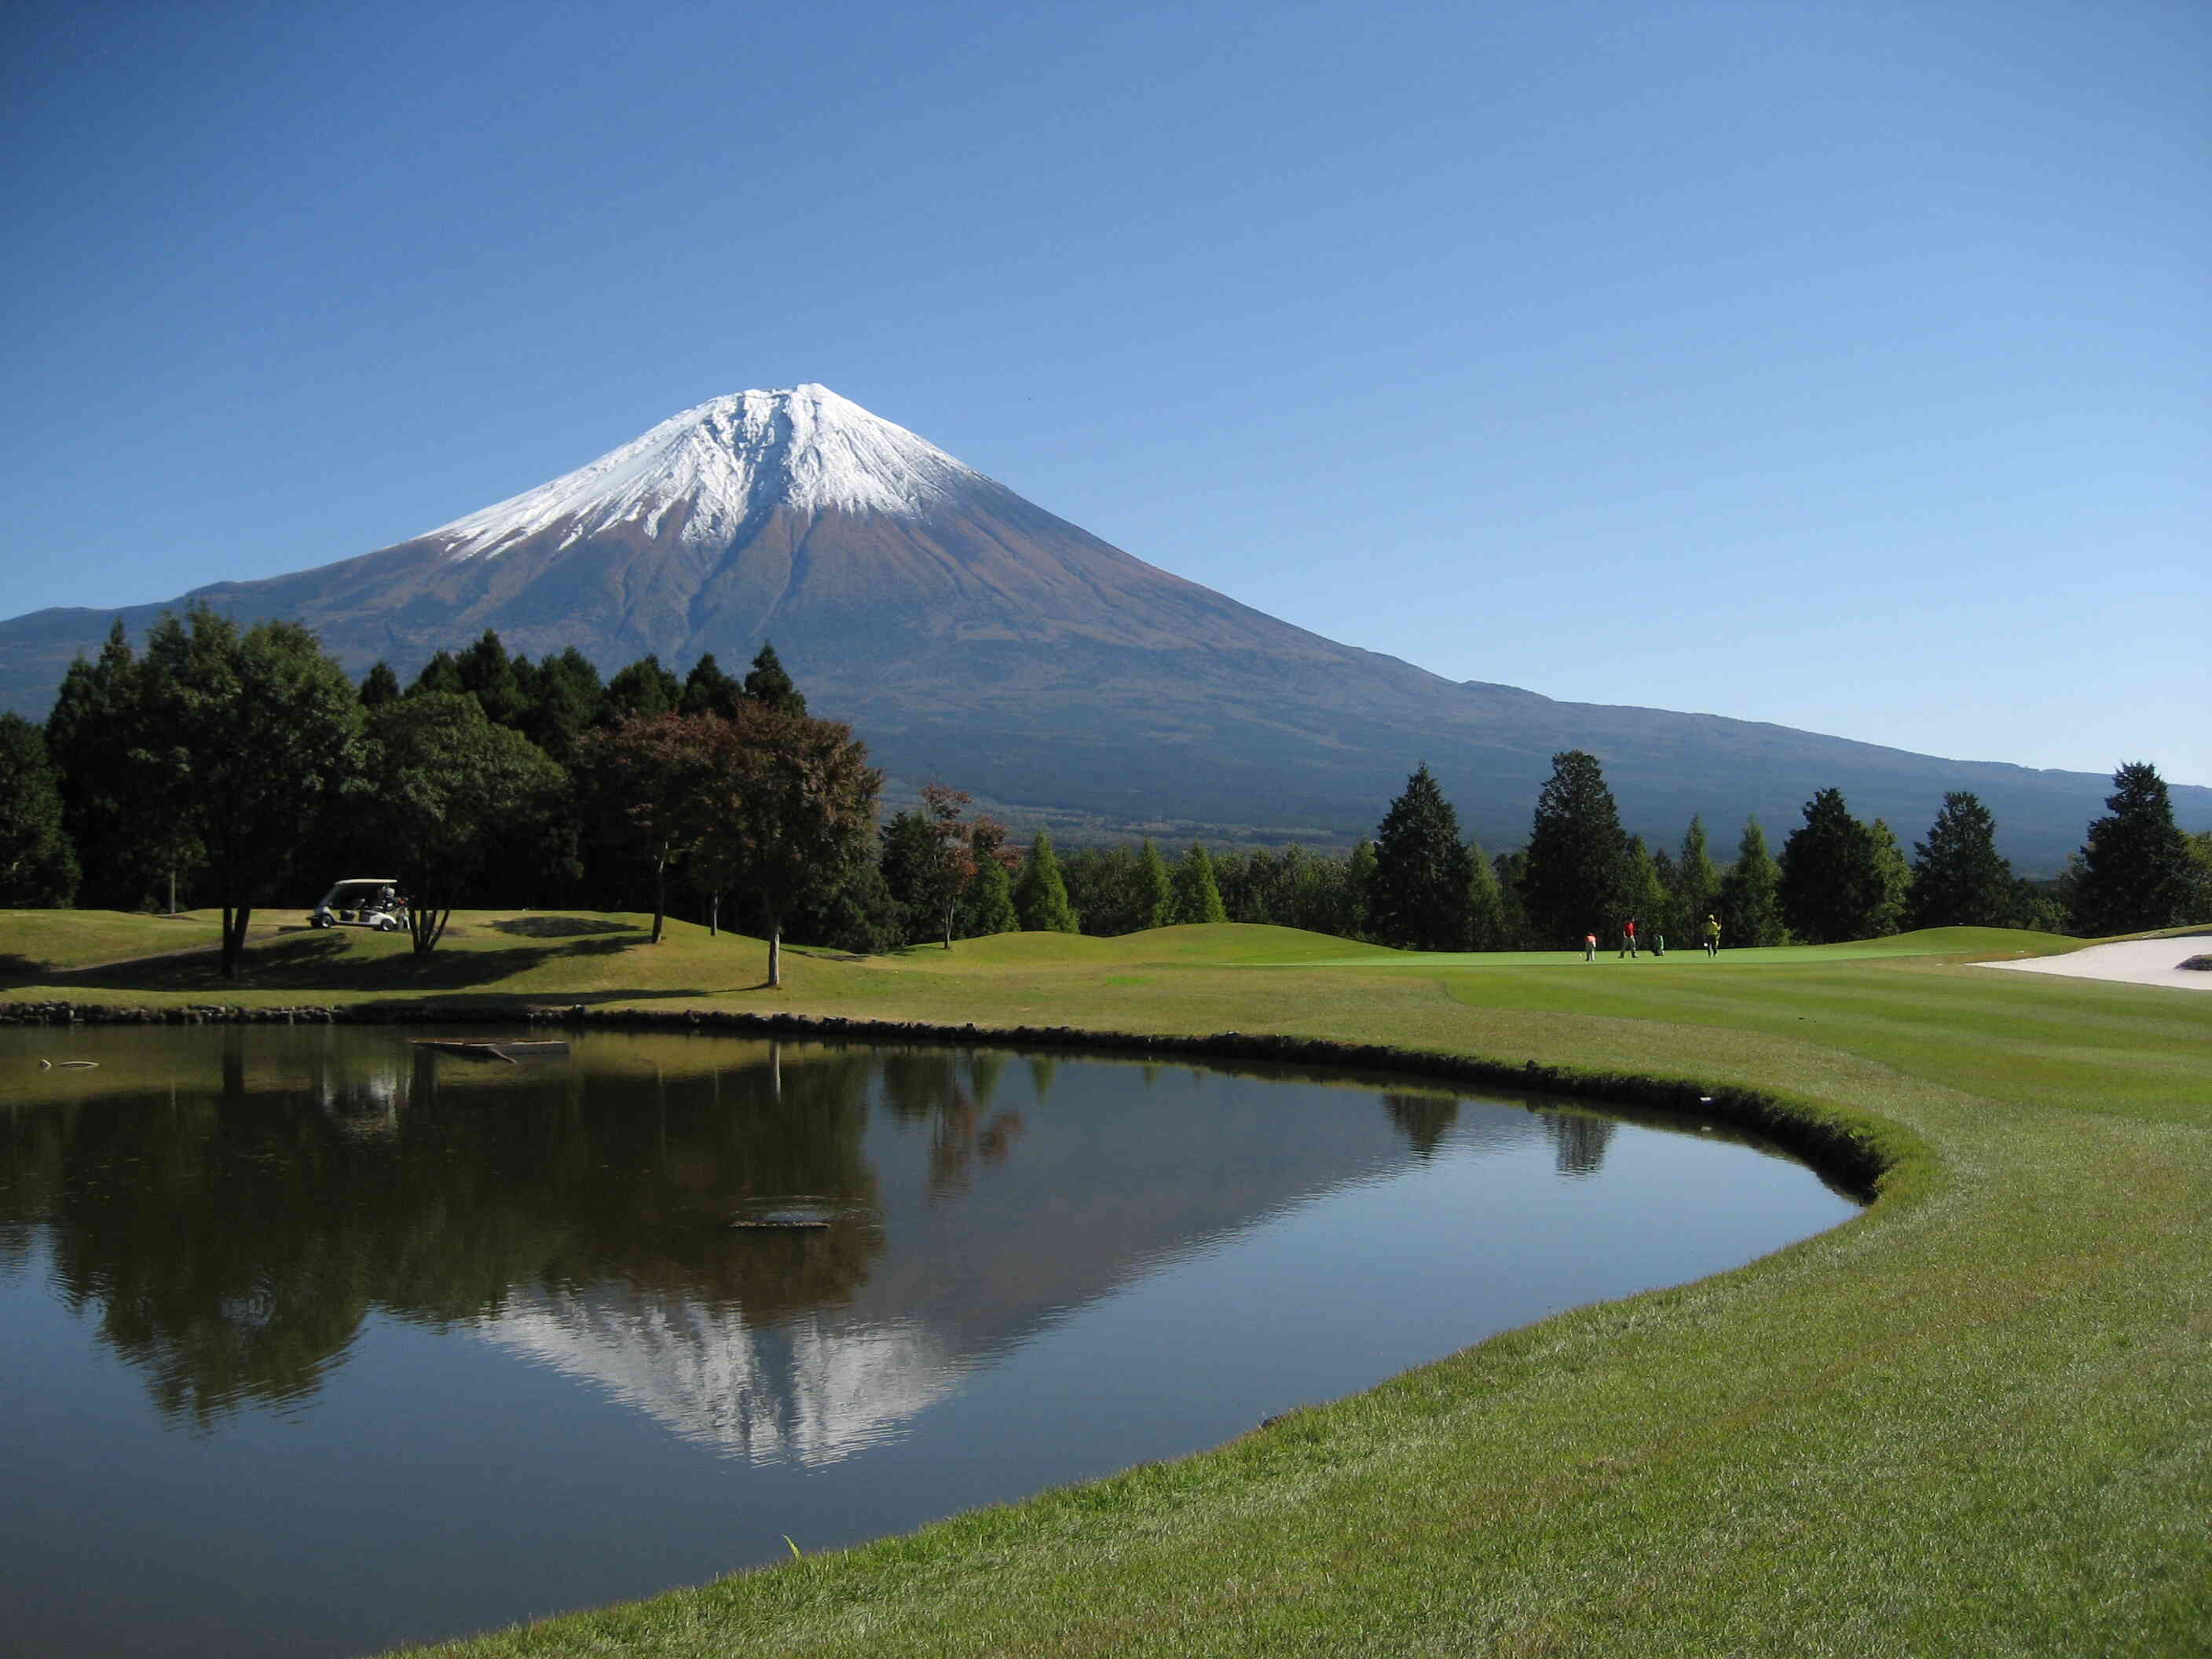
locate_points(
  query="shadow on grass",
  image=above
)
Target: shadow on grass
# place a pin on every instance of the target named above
(556, 926)
(311, 961)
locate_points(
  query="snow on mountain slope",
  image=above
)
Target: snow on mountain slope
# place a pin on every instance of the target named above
(804, 448)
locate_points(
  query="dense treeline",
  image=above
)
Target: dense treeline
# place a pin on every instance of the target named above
(222, 768)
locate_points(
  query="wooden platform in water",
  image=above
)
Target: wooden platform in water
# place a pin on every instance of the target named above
(482, 1048)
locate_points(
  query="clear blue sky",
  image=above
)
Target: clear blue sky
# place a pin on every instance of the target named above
(1843, 366)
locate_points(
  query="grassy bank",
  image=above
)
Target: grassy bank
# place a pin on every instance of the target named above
(1977, 1420)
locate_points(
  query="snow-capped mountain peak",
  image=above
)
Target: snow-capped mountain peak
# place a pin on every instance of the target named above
(804, 448)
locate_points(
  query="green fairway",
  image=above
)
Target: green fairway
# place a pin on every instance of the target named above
(1976, 1421)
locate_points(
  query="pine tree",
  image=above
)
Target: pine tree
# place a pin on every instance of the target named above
(1751, 913)
(1573, 873)
(709, 690)
(566, 699)
(1197, 898)
(378, 686)
(96, 740)
(988, 907)
(1895, 876)
(1831, 877)
(1696, 884)
(1419, 896)
(1486, 905)
(1645, 894)
(1041, 896)
(490, 674)
(1358, 882)
(767, 683)
(1959, 878)
(2136, 871)
(440, 674)
(1156, 892)
(38, 867)
(644, 690)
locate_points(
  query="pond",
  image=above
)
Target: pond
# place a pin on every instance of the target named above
(319, 1340)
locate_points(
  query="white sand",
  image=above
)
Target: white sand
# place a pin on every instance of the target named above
(2137, 961)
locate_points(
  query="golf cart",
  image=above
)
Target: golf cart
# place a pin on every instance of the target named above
(362, 901)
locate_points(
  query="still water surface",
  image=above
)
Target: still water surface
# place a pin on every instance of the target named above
(315, 1342)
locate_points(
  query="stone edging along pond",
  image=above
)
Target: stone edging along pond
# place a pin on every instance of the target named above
(1853, 1153)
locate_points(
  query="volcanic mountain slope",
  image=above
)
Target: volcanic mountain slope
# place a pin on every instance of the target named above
(971, 635)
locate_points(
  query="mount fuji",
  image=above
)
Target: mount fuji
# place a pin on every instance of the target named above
(969, 634)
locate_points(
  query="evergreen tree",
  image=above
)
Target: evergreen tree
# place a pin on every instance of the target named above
(709, 690)
(38, 867)
(378, 686)
(96, 740)
(767, 683)
(1197, 897)
(1831, 876)
(643, 690)
(1573, 875)
(1486, 905)
(1644, 893)
(1696, 884)
(1041, 896)
(490, 676)
(2136, 871)
(1514, 931)
(1358, 881)
(1959, 878)
(440, 674)
(1156, 888)
(566, 698)
(1896, 878)
(1418, 898)
(988, 906)
(907, 855)
(1751, 910)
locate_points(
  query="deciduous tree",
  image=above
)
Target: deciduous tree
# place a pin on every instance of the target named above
(450, 786)
(245, 737)
(790, 802)
(646, 781)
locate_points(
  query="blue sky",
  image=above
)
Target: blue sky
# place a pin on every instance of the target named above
(1846, 366)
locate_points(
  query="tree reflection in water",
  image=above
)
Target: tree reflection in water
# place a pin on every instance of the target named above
(235, 1240)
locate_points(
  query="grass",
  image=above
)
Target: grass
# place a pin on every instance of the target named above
(1977, 1419)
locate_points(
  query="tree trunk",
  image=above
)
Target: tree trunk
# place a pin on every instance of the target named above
(713, 916)
(774, 953)
(233, 940)
(659, 898)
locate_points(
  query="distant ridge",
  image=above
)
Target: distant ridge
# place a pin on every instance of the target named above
(971, 635)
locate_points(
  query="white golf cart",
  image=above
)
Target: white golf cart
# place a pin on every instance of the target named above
(372, 902)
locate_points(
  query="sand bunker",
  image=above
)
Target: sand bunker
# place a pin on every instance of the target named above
(2137, 961)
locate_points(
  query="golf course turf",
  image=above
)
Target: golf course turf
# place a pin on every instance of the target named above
(1977, 1419)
